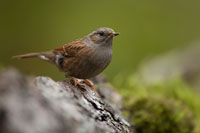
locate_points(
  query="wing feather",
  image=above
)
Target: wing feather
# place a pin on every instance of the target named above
(70, 49)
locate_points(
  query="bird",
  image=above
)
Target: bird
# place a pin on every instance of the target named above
(83, 58)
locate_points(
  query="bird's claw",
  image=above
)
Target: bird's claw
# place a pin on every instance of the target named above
(91, 85)
(77, 83)
(82, 84)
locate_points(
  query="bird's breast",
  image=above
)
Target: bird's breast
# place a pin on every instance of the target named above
(97, 62)
(90, 65)
(87, 65)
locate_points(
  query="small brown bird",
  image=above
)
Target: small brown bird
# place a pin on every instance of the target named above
(83, 58)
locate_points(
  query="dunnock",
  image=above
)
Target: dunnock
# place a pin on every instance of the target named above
(83, 58)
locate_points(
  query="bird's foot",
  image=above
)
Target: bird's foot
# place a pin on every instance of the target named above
(77, 83)
(91, 85)
(82, 85)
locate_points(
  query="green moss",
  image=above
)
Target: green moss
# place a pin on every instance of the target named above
(168, 107)
(152, 115)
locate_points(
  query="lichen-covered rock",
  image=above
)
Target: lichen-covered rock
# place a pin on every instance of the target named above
(41, 105)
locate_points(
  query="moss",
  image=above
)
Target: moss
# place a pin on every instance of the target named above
(154, 116)
(168, 107)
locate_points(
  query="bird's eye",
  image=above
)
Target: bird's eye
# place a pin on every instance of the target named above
(101, 33)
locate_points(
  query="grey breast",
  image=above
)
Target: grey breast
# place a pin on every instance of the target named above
(94, 64)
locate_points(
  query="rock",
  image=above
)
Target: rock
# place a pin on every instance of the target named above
(42, 105)
(183, 63)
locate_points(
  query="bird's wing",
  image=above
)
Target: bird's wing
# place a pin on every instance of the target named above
(71, 49)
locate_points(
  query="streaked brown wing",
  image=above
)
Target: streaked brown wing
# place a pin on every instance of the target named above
(70, 49)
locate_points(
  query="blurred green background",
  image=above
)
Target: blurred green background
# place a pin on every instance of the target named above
(147, 27)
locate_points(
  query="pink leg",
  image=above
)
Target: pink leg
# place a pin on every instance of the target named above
(76, 83)
(91, 85)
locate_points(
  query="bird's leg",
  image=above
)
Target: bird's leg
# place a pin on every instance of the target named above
(76, 82)
(91, 85)
(86, 81)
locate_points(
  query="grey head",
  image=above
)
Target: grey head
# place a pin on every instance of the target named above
(101, 37)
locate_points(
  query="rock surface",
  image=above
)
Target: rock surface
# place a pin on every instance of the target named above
(42, 105)
(183, 63)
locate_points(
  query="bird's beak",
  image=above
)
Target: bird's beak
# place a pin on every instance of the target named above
(113, 34)
(116, 34)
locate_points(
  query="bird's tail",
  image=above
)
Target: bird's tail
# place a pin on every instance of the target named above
(28, 55)
(47, 56)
